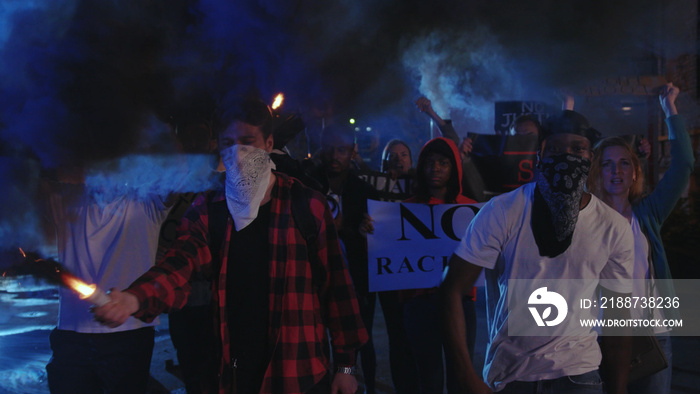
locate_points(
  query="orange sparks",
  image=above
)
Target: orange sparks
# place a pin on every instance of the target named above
(278, 101)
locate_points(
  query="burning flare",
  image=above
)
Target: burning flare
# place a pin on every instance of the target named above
(278, 101)
(54, 272)
(85, 290)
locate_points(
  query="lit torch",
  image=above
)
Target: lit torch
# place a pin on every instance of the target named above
(54, 272)
(278, 101)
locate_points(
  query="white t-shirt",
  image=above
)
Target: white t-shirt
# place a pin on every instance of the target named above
(500, 239)
(109, 245)
(641, 271)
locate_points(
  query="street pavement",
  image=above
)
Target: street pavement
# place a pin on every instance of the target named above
(28, 312)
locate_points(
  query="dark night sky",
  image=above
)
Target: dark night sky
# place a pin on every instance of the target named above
(88, 80)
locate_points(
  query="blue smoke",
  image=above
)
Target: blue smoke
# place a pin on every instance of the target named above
(144, 176)
(19, 217)
(83, 80)
(463, 71)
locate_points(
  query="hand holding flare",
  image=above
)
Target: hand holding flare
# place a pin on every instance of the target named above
(116, 312)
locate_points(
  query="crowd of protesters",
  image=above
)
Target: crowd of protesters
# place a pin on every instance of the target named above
(265, 278)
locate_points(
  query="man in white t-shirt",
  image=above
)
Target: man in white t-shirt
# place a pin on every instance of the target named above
(548, 229)
(106, 241)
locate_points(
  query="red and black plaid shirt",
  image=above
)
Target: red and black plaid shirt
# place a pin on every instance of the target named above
(303, 308)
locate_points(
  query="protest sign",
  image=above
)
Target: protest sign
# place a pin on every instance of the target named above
(412, 243)
(507, 111)
(388, 189)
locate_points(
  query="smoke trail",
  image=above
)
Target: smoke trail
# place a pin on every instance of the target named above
(465, 71)
(528, 50)
(165, 174)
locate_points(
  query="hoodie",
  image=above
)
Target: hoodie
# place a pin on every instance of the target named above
(448, 148)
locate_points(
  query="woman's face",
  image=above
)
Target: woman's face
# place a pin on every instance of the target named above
(399, 159)
(617, 170)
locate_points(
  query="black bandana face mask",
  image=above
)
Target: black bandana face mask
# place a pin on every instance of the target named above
(558, 194)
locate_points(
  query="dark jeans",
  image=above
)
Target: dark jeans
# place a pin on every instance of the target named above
(423, 327)
(587, 383)
(368, 356)
(660, 382)
(193, 336)
(100, 363)
(404, 372)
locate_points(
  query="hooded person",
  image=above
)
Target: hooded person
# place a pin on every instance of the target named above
(432, 160)
(438, 181)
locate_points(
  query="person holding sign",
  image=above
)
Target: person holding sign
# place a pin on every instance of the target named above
(438, 181)
(396, 159)
(618, 179)
(397, 163)
(525, 125)
(547, 229)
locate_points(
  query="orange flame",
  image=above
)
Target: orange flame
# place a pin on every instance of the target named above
(278, 101)
(85, 290)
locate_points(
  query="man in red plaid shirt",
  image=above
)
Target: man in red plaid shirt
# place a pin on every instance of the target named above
(275, 308)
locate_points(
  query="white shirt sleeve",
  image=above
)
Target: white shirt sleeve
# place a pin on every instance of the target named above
(485, 236)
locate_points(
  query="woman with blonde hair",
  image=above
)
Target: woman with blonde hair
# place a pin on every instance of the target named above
(616, 177)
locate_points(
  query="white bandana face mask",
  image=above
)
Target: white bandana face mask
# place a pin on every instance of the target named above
(247, 178)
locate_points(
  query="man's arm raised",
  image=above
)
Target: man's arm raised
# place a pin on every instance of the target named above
(459, 281)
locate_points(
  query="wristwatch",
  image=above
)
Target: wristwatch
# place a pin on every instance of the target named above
(346, 370)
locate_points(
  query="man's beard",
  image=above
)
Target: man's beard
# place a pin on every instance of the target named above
(557, 201)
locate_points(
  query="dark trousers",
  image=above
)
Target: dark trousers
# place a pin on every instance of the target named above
(368, 356)
(423, 327)
(404, 372)
(100, 363)
(193, 335)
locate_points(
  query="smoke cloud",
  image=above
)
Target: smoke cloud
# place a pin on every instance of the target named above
(89, 81)
(464, 71)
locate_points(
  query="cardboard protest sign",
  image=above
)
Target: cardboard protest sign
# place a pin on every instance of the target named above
(412, 243)
(505, 162)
